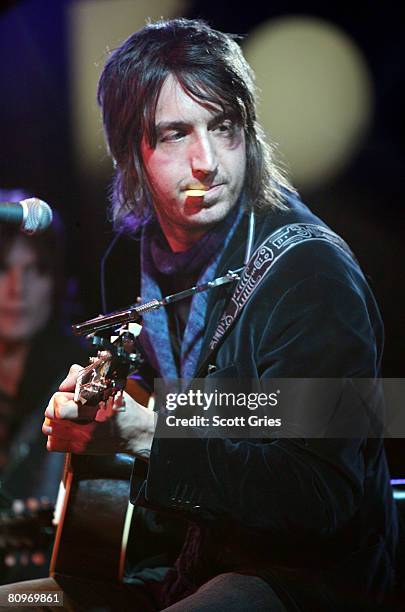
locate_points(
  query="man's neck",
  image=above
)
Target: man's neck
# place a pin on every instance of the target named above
(179, 239)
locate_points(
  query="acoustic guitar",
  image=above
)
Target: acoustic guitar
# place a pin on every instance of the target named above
(93, 513)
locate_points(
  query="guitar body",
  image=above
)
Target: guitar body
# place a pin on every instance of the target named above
(93, 513)
(95, 516)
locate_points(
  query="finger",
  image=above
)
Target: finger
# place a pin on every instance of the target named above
(119, 403)
(56, 444)
(47, 427)
(102, 413)
(62, 406)
(64, 445)
(105, 410)
(68, 436)
(108, 409)
(69, 383)
(68, 430)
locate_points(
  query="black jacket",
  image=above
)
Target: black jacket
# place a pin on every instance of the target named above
(298, 512)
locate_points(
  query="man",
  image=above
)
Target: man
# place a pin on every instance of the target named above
(285, 524)
(34, 352)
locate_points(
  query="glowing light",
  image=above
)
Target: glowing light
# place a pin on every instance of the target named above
(96, 26)
(316, 94)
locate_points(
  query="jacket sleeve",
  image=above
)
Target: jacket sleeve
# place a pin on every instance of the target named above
(317, 329)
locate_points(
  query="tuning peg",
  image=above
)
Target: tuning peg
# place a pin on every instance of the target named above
(134, 328)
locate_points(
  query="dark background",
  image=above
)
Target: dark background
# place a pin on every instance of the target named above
(364, 202)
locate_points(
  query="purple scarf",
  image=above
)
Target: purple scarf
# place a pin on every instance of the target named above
(199, 261)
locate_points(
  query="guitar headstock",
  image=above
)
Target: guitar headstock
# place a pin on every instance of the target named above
(107, 372)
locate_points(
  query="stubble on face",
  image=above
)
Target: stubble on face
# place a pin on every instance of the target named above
(198, 149)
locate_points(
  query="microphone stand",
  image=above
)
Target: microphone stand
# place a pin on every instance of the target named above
(135, 311)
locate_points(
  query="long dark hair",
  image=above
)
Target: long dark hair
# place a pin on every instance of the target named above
(49, 246)
(211, 67)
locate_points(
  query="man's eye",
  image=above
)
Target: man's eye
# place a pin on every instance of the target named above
(227, 127)
(172, 136)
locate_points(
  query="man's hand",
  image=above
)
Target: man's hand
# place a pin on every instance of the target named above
(106, 428)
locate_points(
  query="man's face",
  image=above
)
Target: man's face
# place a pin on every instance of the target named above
(25, 294)
(198, 149)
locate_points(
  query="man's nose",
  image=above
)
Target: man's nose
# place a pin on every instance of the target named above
(204, 159)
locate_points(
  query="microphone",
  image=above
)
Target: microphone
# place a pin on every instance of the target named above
(32, 215)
